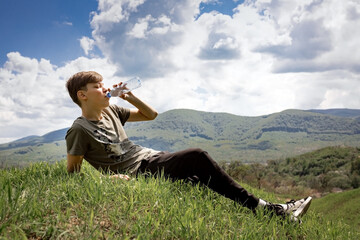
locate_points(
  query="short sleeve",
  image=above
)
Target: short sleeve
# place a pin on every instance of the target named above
(123, 113)
(76, 140)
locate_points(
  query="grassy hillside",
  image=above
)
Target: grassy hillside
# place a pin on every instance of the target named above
(44, 202)
(344, 206)
(225, 136)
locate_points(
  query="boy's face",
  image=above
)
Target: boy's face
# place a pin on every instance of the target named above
(95, 95)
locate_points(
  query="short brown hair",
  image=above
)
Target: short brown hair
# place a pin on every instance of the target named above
(79, 81)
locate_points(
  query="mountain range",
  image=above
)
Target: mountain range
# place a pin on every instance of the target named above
(225, 136)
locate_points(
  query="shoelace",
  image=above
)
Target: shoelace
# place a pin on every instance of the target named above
(280, 210)
(290, 204)
(277, 209)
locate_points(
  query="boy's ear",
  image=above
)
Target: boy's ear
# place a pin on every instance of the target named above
(81, 95)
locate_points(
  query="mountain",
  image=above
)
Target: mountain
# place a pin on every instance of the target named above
(249, 139)
(340, 112)
(225, 136)
(58, 135)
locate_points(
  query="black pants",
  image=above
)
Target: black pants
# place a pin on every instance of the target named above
(196, 164)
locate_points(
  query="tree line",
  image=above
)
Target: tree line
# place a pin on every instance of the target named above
(319, 172)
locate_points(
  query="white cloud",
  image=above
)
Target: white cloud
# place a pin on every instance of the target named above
(270, 55)
(139, 41)
(87, 44)
(235, 59)
(33, 97)
(111, 12)
(321, 32)
(67, 23)
(140, 28)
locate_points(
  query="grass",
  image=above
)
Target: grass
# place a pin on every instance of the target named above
(344, 206)
(43, 202)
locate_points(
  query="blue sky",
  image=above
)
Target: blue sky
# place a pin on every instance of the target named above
(51, 29)
(249, 58)
(44, 29)
(222, 6)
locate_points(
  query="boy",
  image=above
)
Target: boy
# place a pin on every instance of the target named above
(99, 137)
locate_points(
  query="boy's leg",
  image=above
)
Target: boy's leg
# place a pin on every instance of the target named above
(196, 163)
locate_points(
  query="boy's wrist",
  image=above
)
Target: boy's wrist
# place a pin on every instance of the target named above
(130, 97)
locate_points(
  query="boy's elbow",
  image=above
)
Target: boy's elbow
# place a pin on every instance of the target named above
(151, 116)
(74, 163)
(72, 169)
(155, 114)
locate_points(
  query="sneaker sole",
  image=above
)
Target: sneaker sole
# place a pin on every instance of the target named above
(303, 208)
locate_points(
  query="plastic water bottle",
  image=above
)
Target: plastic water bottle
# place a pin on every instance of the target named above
(125, 87)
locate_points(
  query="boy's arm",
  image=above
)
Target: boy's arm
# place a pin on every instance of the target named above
(143, 111)
(74, 163)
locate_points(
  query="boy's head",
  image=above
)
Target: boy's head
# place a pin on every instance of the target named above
(79, 81)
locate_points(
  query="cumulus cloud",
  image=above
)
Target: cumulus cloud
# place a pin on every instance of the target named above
(137, 38)
(319, 34)
(220, 46)
(309, 40)
(255, 56)
(87, 44)
(269, 55)
(33, 97)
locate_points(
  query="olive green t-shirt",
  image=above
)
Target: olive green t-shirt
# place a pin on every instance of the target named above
(104, 144)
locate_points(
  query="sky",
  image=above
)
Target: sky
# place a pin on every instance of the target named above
(249, 58)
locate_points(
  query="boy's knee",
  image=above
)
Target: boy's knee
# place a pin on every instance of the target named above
(197, 155)
(197, 151)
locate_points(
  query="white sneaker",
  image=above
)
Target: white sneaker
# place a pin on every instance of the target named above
(293, 209)
(302, 206)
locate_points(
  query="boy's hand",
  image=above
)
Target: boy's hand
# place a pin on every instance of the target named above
(122, 86)
(121, 176)
(126, 96)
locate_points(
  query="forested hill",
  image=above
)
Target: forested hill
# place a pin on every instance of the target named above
(330, 169)
(231, 137)
(225, 136)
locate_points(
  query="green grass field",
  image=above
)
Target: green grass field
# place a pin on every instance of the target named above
(343, 206)
(44, 202)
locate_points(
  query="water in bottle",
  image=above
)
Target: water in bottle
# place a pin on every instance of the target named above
(126, 87)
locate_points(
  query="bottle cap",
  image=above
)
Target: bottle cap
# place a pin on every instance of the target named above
(108, 95)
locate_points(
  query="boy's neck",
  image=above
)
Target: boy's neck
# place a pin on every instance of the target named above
(92, 115)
